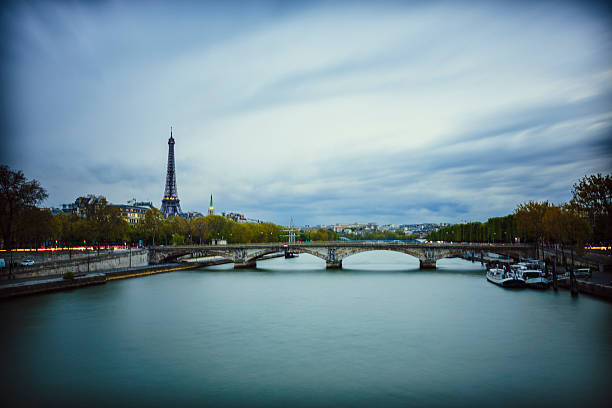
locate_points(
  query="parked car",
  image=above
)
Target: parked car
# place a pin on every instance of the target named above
(27, 262)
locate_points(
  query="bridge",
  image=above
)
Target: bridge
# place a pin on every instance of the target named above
(334, 252)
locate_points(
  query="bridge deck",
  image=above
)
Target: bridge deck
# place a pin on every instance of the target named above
(354, 244)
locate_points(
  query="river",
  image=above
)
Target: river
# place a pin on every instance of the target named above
(291, 334)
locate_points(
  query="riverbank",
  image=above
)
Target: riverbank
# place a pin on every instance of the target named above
(598, 285)
(32, 287)
(86, 263)
(57, 283)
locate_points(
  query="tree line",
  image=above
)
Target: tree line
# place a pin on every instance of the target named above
(99, 223)
(498, 229)
(586, 218)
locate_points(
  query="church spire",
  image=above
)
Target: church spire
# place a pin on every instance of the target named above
(211, 209)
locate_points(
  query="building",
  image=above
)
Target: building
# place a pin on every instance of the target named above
(236, 217)
(133, 212)
(170, 203)
(54, 210)
(356, 228)
(190, 215)
(130, 213)
(144, 204)
(79, 207)
(69, 208)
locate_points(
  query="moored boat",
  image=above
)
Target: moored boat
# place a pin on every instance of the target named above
(505, 279)
(531, 273)
(535, 279)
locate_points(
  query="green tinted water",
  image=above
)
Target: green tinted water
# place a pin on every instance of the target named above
(293, 336)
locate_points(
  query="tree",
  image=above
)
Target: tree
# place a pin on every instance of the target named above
(152, 224)
(178, 239)
(106, 224)
(34, 227)
(323, 235)
(552, 224)
(592, 199)
(197, 227)
(529, 218)
(574, 229)
(16, 195)
(180, 226)
(217, 226)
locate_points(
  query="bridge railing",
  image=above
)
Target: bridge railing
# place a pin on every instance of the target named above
(281, 245)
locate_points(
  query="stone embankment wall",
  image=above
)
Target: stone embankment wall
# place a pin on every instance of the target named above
(600, 290)
(114, 260)
(53, 284)
(50, 285)
(50, 256)
(595, 289)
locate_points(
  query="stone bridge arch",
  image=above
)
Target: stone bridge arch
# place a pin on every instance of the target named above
(252, 258)
(159, 256)
(409, 252)
(334, 255)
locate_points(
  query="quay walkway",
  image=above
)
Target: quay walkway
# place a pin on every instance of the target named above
(9, 289)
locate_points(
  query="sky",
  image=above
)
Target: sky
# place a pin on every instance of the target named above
(327, 112)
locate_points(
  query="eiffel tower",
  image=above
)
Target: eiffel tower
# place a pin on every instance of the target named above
(171, 203)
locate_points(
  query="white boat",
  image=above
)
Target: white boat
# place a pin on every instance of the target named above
(505, 279)
(535, 279)
(531, 273)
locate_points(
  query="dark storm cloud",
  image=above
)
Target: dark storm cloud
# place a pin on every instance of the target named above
(325, 112)
(106, 174)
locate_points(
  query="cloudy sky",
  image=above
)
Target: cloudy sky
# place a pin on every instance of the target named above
(393, 112)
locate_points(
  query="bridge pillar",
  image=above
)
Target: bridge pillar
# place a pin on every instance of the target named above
(427, 263)
(334, 265)
(429, 260)
(245, 265)
(332, 261)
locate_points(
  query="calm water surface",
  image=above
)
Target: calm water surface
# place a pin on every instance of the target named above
(378, 333)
